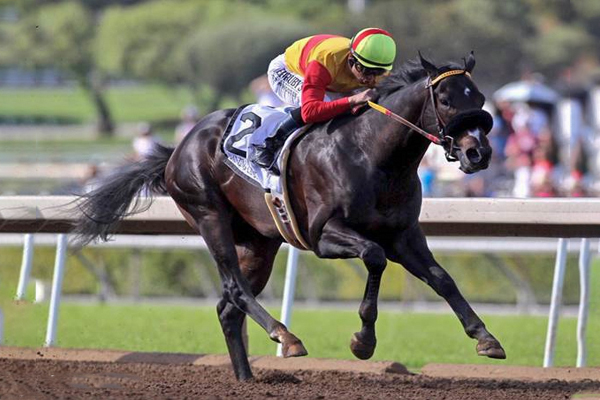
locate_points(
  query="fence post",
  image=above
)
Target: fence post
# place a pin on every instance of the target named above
(556, 300)
(1, 327)
(289, 290)
(25, 266)
(1, 324)
(59, 271)
(584, 299)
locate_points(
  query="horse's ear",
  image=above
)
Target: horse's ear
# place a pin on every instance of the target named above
(429, 67)
(470, 62)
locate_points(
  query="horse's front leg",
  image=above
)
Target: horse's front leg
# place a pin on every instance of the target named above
(410, 249)
(339, 241)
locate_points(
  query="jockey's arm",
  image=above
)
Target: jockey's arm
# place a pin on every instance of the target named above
(314, 109)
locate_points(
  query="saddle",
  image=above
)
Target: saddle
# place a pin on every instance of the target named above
(252, 125)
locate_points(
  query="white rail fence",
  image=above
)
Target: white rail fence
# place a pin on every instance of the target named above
(505, 218)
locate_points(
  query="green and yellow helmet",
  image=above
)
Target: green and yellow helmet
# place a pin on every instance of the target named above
(374, 48)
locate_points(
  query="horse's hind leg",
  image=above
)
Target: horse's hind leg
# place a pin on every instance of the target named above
(216, 229)
(256, 255)
(412, 252)
(232, 320)
(339, 241)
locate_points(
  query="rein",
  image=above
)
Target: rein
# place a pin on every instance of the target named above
(435, 139)
(447, 142)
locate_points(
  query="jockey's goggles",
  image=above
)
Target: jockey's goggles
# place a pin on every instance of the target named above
(366, 71)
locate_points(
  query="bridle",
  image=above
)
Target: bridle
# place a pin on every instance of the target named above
(447, 140)
(440, 137)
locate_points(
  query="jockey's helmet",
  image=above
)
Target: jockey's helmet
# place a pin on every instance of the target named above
(374, 48)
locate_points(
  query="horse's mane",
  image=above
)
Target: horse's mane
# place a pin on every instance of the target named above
(407, 74)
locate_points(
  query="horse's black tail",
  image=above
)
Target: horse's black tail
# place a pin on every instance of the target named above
(117, 196)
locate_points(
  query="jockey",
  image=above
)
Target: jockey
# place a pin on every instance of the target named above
(317, 73)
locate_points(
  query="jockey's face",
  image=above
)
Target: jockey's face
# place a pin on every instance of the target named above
(365, 76)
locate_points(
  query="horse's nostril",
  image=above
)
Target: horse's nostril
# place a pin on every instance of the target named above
(473, 155)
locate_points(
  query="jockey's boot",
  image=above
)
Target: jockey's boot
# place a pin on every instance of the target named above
(265, 155)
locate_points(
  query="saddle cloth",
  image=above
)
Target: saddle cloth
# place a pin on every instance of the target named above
(252, 124)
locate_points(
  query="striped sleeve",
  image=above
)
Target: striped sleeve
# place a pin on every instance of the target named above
(314, 109)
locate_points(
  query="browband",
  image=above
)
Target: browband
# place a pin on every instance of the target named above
(447, 74)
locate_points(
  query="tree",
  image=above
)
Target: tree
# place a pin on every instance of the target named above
(140, 41)
(245, 46)
(555, 48)
(563, 34)
(61, 35)
(144, 41)
(222, 45)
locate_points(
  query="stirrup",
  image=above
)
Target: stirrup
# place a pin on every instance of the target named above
(262, 156)
(272, 167)
(274, 144)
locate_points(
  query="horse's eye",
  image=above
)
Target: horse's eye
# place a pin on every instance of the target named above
(444, 102)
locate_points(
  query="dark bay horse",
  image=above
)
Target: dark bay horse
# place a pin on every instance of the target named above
(354, 188)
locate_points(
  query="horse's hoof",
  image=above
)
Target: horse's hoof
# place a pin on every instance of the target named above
(245, 377)
(361, 350)
(294, 350)
(491, 349)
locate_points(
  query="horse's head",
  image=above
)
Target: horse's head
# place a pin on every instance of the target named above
(457, 105)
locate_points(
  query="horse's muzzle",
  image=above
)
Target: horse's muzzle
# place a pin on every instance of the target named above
(475, 159)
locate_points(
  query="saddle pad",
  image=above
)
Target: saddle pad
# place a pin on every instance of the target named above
(249, 125)
(252, 124)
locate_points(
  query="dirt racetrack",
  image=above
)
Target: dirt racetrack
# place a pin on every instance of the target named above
(88, 374)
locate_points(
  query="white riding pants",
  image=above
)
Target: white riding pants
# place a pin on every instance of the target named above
(287, 85)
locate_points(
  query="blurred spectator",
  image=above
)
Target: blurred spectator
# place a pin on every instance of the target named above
(531, 151)
(475, 185)
(144, 141)
(578, 147)
(496, 176)
(576, 187)
(263, 93)
(427, 174)
(578, 169)
(85, 184)
(189, 119)
(502, 129)
(542, 184)
(519, 153)
(90, 179)
(537, 119)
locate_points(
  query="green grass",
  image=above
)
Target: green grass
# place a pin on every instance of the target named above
(101, 150)
(97, 151)
(128, 103)
(413, 339)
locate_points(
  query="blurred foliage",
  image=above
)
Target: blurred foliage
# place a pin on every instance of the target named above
(177, 44)
(60, 35)
(559, 43)
(224, 44)
(57, 35)
(140, 41)
(251, 46)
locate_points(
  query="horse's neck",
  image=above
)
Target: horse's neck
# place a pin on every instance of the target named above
(398, 145)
